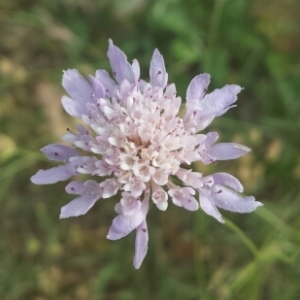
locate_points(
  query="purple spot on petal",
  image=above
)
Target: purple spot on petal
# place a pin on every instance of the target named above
(144, 230)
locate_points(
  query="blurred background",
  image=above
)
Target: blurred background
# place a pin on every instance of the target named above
(255, 44)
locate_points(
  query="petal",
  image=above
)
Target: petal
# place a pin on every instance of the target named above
(209, 208)
(219, 99)
(211, 138)
(109, 187)
(58, 152)
(125, 89)
(190, 203)
(123, 225)
(176, 103)
(224, 151)
(228, 180)
(170, 91)
(75, 187)
(141, 244)
(227, 199)
(91, 188)
(162, 205)
(120, 66)
(160, 177)
(197, 88)
(70, 138)
(97, 86)
(136, 69)
(76, 86)
(158, 75)
(73, 108)
(52, 175)
(203, 121)
(77, 207)
(129, 209)
(108, 84)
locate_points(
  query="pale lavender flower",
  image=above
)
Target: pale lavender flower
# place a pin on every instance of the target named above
(139, 144)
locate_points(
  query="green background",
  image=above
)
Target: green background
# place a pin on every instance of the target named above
(255, 44)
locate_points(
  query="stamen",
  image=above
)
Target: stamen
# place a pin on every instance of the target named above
(70, 131)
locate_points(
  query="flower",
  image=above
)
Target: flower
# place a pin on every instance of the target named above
(142, 147)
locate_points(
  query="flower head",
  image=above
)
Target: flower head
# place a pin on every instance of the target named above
(139, 144)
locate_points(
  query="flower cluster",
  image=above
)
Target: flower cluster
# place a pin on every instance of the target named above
(142, 148)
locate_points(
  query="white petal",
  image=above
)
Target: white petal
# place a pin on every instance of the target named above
(109, 188)
(77, 207)
(141, 244)
(109, 112)
(162, 205)
(160, 177)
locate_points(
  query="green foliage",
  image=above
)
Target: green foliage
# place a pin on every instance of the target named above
(252, 257)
